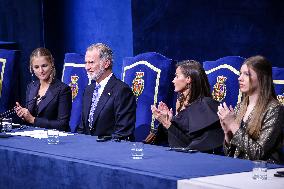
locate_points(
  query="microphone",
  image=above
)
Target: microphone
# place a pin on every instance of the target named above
(12, 111)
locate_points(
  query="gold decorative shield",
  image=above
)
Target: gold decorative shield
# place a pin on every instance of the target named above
(74, 86)
(219, 89)
(281, 98)
(138, 84)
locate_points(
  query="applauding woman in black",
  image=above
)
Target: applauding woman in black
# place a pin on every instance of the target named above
(196, 124)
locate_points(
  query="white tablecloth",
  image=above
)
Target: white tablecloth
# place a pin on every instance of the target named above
(238, 181)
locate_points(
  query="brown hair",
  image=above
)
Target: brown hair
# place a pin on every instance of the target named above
(199, 86)
(48, 56)
(263, 70)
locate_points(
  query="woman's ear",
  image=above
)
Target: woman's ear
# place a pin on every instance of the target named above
(188, 80)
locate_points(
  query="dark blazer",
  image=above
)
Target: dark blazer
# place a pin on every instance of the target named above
(115, 114)
(197, 127)
(54, 109)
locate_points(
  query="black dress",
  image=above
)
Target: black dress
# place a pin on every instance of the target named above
(197, 127)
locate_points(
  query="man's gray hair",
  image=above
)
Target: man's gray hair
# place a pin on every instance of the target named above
(105, 51)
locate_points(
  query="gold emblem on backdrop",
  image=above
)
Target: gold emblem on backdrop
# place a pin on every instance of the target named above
(138, 84)
(219, 89)
(74, 86)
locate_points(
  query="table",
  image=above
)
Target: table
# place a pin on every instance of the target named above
(237, 180)
(81, 162)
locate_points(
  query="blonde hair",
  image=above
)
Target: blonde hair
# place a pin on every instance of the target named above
(43, 52)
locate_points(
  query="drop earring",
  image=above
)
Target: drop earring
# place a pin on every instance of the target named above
(32, 77)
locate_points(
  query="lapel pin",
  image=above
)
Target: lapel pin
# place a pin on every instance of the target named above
(108, 94)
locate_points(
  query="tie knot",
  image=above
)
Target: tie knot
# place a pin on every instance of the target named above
(97, 87)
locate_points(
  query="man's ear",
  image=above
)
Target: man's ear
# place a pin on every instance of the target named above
(107, 64)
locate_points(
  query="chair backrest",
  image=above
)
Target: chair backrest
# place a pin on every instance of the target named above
(74, 74)
(149, 75)
(278, 80)
(223, 78)
(8, 77)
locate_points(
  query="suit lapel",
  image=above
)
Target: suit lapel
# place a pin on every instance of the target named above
(50, 94)
(104, 97)
(30, 103)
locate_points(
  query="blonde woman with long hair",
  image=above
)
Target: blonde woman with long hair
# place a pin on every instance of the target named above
(254, 129)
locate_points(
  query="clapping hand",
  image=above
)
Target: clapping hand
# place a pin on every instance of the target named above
(227, 118)
(163, 114)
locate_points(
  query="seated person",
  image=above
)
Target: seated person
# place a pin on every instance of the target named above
(109, 106)
(253, 131)
(196, 124)
(49, 101)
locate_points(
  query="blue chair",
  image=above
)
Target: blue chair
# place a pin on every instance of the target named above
(8, 45)
(278, 80)
(149, 75)
(8, 78)
(223, 78)
(75, 75)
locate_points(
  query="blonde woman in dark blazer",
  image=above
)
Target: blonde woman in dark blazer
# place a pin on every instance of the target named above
(49, 101)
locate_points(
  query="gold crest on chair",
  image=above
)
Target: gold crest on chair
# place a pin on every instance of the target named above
(138, 84)
(74, 86)
(219, 89)
(281, 98)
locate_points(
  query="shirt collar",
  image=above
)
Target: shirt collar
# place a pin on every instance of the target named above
(104, 81)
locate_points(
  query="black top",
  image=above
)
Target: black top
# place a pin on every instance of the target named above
(197, 126)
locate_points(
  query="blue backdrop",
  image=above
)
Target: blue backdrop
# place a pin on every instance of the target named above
(183, 29)
(208, 30)
(72, 25)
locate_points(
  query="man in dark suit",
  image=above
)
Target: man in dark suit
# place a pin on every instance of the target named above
(109, 106)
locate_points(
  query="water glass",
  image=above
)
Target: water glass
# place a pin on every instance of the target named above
(6, 124)
(137, 149)
(52, 136)
(259, 171)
